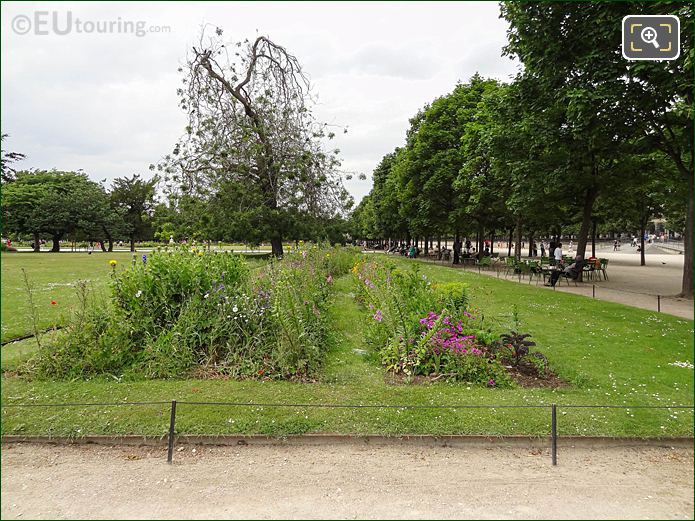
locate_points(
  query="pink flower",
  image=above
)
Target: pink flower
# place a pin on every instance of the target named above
(329, 279)
(377, 316)
(491, 382)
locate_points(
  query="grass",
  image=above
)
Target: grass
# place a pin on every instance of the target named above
(53, 276)
(609, 353)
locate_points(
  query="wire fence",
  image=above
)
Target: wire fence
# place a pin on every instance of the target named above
(171, 435)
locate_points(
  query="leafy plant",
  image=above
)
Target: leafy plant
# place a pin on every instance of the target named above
(518, 344)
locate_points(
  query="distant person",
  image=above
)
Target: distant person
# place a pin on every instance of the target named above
(570, 246)
(171, 239)
(634, 242)
(542, 248)
(557, 254)
(571, 271)
(619, 244)
(535, 249)
(615, 245)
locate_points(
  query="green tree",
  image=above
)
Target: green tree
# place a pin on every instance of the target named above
(54, 203)
(134, 199)
(251, 128)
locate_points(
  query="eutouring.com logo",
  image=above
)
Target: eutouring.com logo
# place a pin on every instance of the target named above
(42, 23)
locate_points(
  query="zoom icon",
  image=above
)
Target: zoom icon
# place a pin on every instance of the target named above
(651, 37)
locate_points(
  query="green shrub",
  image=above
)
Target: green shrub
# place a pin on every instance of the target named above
(175, 312)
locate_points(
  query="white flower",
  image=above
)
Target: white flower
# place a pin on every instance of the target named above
(235, 309)
(687, 364)
(138, 294)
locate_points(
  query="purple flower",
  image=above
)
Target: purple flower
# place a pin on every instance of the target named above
(491, 382)
(329, 279)
(377, 316)
(369, 283)
(144, 259)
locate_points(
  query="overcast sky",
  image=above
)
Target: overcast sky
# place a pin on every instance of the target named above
(106, 102)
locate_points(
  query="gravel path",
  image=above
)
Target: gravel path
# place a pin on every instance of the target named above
(631, 284)
(345, 481)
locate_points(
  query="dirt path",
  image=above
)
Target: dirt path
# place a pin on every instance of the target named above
(345, 481)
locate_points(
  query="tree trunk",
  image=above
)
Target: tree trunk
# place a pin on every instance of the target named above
(457, 249)
(589, 199)
(593, 238)
(509, 244)
(530, 243)
(56, 243)
(642, 227)
(132, 243)
(517, 243)
(110, 243)
(37, 243)
(687, 286)
(427, 245)
(276, 245)
(492, 243)
(480, 242)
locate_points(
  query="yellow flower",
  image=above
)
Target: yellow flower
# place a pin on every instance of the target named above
(328, 255)
(113, 263)
(200, 254)
(301, 242)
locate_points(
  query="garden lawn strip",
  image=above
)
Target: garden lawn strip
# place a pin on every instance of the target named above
(609, 353)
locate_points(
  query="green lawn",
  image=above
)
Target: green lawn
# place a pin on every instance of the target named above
(53, 276)
(609, 353)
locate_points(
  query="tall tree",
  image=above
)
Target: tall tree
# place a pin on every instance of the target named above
(250, 124)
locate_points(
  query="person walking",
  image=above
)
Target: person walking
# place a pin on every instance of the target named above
(542, 248)
(615, 245)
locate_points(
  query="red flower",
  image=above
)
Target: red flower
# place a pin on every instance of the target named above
(261, 372)
(53, 302)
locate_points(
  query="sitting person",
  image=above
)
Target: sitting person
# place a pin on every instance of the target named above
(572, 271)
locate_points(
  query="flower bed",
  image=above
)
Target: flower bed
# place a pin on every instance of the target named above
(425, 329)
(182, 311)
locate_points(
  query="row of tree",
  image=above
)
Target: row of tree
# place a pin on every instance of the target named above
(581, 139)
(68, 205)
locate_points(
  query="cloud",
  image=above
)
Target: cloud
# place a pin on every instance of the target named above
(107, 103)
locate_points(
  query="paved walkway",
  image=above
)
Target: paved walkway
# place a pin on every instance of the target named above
(631, 284)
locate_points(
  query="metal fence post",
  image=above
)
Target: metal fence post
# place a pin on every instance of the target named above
(658, 303)
(593, 291)
(172, 422)
(553, 432)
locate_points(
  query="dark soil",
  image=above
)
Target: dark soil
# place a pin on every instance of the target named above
(526, 375)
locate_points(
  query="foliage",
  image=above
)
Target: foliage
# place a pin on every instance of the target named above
(6, 160)
(183, 310)
(518, 344)
(134, 197)
(411, 338)
(252, 161)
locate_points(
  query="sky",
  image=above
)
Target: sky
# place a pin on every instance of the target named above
(105, 102)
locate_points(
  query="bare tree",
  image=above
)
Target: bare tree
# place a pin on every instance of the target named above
(251, 124)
